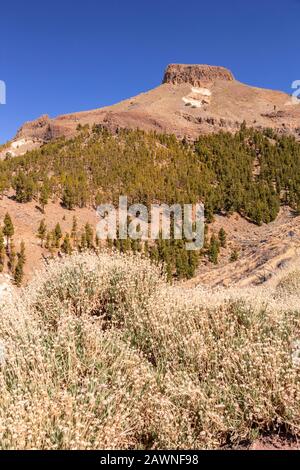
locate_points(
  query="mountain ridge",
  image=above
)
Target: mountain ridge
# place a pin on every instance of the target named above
(192, 100)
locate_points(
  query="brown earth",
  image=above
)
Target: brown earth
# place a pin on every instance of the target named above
(192, 100)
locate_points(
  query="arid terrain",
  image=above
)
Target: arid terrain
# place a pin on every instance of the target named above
(192, 99)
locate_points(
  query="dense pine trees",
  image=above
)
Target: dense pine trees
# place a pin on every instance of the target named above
(249, 172)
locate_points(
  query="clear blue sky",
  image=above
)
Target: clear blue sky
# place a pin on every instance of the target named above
(63, 56)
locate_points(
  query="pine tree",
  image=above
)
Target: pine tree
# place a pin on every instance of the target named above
(69, 197)
(42, 232)
(117, 244)
(213, 250)
(58, 235)
(50, 244)
(297, 207)
(21, 254)
(12, 257)
(83, 243)
(222, 237)
(2, 251)
(24, 187)
(19, 273)
(125, 245)
(234, 256)
(205, 244)
(74, 230)
(43, 197)
(53, 242)
(136, 245)
(48, 241)
(89, 236)
(146, 249)
(109, 243)
(8, 229)
(66, 246)
(19, 269)
(182, 264)
(193, 257)
(154, 254)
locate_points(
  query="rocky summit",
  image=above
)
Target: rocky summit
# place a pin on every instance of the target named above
(196, 75)
(192, 100)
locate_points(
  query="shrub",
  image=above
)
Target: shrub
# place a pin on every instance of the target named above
(100, 352)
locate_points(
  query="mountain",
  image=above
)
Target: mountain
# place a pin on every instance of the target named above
(192, 100)
(244, 177)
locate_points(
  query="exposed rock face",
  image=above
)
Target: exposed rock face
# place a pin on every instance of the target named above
(196, 75)
(42, 128)
(37, 129)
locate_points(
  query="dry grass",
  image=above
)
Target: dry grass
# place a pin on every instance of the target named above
(99, 352)
(289, 284)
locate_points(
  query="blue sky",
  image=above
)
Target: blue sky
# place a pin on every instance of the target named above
(63, 56)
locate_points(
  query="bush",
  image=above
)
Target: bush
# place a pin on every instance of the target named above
(100, 352)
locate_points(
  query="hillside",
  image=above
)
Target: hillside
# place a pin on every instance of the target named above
(251, 175)
(192, 100)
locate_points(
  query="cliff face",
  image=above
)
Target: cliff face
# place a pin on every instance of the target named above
(38, 129)
(196, 75)
(193, 99)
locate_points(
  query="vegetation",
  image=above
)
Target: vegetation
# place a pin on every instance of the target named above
(19, 269)
(251, 172)
(8, 230)
(234, 256)
(42, 231)
(172, 254)
(106, 355)
(2, 250)
(222, 237)
(213, 250)
(66, 245)
(15, 261)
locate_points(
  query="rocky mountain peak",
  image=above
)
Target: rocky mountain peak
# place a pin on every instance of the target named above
(196, 75)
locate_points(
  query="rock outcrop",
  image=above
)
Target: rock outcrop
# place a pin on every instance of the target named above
(196, 75)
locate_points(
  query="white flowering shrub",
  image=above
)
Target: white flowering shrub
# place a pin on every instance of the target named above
(99, 352)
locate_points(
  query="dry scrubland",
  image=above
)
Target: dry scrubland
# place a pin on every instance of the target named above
(99, 352)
